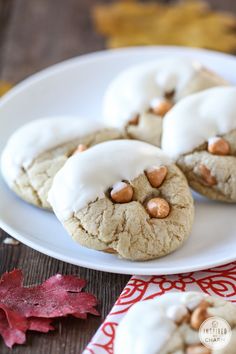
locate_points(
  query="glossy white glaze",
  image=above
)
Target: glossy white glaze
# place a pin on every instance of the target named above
(38, 136)
(197, 118)
(86, 176)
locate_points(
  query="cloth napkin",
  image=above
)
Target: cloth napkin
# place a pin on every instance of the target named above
(220, 281)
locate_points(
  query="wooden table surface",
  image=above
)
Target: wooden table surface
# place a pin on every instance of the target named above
(33, 35)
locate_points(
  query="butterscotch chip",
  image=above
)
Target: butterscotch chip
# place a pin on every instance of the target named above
(34, 181)
(206, 175)
(134, 120)
(80, 148)
(161, 107)
(197, 349)
(156, 176)
(216, 180)
(110, 250)
(126, 226)
(218, 146)
(186, 318)
(199, 315)
(158, 208)
(122, 192)
(169, 94)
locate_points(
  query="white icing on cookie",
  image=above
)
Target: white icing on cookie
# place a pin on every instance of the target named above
(213, 140)
(118, 186)
(155, 102)
(39, 136)
(191, 299)
(149, 325)
(138, 87)
(197, 118)
(176, 312)
(86, 176)
(151, 169)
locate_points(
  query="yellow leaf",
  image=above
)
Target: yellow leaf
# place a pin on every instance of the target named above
(189, 23)
(4, 87)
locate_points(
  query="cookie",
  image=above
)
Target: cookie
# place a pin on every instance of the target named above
(124, 197)
(139, 97)
(200, 135)
(170, 325)
(36, 151)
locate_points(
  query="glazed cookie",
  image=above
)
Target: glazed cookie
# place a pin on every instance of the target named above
(200, 135)
(170, 325)
(124, 197)
(36, 151)
(139, 97)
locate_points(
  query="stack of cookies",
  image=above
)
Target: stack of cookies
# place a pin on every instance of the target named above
(122, 186)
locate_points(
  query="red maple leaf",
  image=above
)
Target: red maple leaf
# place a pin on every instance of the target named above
(34, 308)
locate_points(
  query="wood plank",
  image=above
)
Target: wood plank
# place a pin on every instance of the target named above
(74, 333)
(33, 35)
(38, 34)
(5, 11)
(45, 32)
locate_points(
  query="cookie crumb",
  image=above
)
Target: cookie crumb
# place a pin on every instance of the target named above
(11, 241)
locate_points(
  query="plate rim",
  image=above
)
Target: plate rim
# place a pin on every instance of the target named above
(64, 65)
(91, 56)
(90, 265)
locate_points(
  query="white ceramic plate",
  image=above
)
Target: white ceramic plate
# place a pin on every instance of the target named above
(77, 87)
